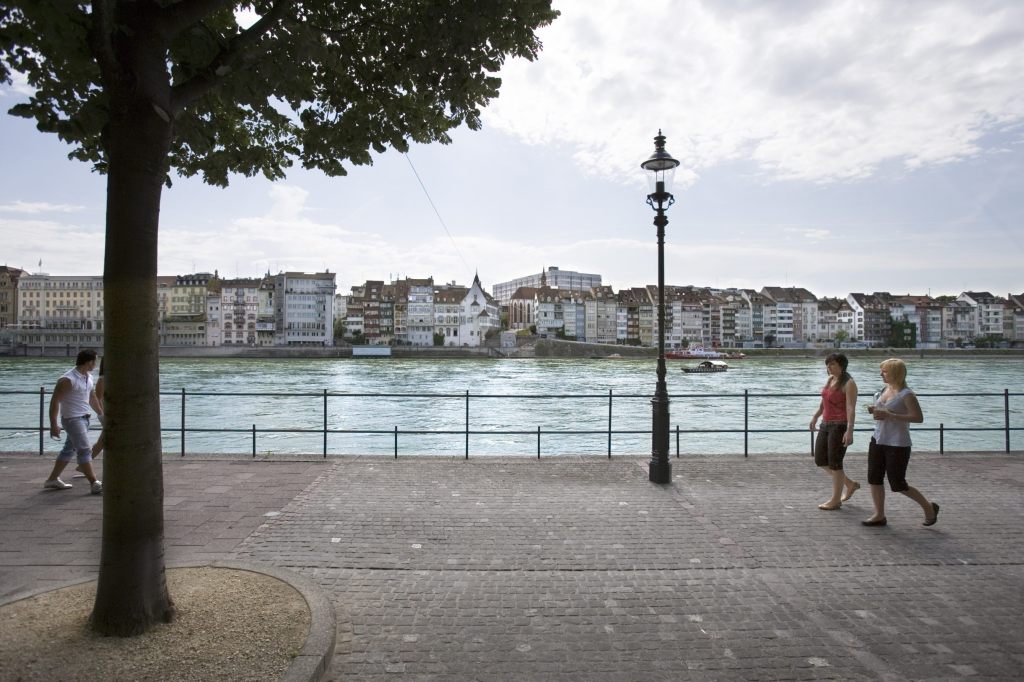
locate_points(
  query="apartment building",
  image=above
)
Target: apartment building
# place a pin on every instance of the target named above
(684, 316)
(871, 317)
(186, 305)
(386, 330)
(547, 312)
(756, 302)
(921, 311)
(9, 295)
(448, 311)
(233, 312)
(304, 309)
(792, 314)
(989, 312)
(835, 319)
(1014, 318)
(636, 317)
(599, 312)
(574, 314)
(569, 280)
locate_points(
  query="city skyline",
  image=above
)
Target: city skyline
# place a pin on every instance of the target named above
(837, 147)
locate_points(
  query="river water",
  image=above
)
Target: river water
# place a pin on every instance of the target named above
(508, 396)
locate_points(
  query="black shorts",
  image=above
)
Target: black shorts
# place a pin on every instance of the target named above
(888, 461)
(828, 448)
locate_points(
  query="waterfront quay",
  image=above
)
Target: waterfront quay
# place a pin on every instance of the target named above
(578, 568)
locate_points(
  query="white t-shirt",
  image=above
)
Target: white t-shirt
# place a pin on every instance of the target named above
(75, 402)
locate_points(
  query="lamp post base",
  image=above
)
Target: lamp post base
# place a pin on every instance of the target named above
(660, 472)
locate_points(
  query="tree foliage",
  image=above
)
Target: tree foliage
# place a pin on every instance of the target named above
(319, 82)
(902, 334)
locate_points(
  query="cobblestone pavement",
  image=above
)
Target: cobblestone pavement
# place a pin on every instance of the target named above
(580, 569)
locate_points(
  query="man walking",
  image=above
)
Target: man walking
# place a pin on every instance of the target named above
(74, 394)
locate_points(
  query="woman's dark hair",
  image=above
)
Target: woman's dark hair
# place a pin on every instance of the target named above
(843, 363)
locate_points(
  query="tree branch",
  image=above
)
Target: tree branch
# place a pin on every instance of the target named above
(179, 16)
(101, 32)
(242, 43)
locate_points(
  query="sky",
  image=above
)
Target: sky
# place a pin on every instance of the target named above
(839, 146)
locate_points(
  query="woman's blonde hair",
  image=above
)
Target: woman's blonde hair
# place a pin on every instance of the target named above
(896, 369)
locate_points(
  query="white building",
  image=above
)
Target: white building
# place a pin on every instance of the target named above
(419, 312)
(478, 314)
(989, 311)
(304, 309)
(553, 277)
(60, 310)
(448, 300)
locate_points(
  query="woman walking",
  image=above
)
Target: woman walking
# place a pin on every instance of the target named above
(838, 407)
(895, 409)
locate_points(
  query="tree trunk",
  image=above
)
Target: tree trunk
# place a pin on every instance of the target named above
(132, 592)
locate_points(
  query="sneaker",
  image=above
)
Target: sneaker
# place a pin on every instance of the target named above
(79, 474)
(97, 487)
(56, 484)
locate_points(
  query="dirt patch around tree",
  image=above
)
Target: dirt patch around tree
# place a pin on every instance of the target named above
(231, 625)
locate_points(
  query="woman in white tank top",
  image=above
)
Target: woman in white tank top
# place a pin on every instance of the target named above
(894, 410)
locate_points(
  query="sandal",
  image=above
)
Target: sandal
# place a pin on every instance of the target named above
(850, 491)
(932, 520)
(825, 506)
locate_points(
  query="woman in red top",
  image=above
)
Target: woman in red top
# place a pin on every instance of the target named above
(838, 409)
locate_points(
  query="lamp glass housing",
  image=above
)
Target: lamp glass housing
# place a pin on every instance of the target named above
(665, 176)
(660, 167)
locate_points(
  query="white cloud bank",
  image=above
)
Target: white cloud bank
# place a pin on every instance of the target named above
(808, 90)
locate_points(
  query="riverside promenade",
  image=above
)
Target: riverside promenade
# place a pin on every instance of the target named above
(578, 568)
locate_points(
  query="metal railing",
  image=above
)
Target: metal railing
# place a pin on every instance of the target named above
(467, 430)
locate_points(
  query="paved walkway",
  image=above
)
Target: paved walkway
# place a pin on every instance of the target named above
(580, 569)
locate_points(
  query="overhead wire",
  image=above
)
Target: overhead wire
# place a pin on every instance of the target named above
(436, 212)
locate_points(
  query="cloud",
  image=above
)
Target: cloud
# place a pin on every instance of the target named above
(813, 91)
(18, 86)
(63, 248)
(38, 207)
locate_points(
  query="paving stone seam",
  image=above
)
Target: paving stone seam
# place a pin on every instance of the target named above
(662, 569)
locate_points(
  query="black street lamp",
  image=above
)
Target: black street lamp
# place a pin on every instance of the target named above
(661, 167)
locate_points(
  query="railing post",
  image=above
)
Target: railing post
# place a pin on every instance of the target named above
(42, 417)
(677, 441)
(538, 442)
(746, 422)
(1006, 416)
(183, 421)
(396, 441)
(942, 440)
(325, 423)
(609, 423)
(254, 441)
(467, 423)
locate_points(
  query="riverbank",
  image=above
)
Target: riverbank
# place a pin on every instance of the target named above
(541, 348)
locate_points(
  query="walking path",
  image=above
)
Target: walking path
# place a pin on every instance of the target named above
(580, 569)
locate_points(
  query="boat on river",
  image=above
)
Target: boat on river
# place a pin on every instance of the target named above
(707, 367)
